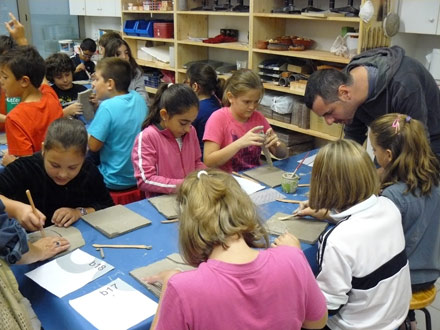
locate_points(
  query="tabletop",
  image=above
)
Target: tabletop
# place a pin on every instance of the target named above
(56, 313)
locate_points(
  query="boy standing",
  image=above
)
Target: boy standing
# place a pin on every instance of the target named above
(22, 71)
(117, 122)
(84, 66)
(59, 71)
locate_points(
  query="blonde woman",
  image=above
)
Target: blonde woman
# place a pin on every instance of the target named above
(235, 286)
(363, 269)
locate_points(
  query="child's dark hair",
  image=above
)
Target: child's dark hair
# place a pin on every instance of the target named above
(66, 133)
(175, 98)
(116, 69)
(57, 64)
(206, 78)
(25, 61)
(88, 44)
(6, 43)
(112, 50)
(107, 37)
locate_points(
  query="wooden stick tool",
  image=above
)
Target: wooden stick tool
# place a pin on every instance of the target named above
(31, 201)
(292, 201)
(170, 221)
(122, 246)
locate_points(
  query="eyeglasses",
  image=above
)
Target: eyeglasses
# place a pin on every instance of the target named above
(89, 56)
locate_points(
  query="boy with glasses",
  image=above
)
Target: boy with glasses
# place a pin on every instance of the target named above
(84, 66)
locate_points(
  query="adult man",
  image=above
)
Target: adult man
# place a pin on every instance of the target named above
(374, 83)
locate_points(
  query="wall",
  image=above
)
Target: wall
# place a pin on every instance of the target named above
(417, 45)
(92, 24)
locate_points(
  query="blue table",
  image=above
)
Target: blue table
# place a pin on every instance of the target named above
(56, 313)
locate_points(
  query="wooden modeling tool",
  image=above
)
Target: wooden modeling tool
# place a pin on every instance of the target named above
(288, 217)
(299, 165)
(122, 246)
(304, 185)
(31, 201)
(292, 201)
(169, 221)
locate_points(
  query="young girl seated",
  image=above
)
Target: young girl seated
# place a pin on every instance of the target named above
(64, 185)
(16, 311)
(363, 269)
(167, 149)
(203, 80)
(117, 47)
(234, 134)
(235, 285)
(59, 72)
(410, 178)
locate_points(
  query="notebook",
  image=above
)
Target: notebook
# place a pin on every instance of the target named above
(87, 107)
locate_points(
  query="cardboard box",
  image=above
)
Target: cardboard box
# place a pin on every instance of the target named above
(299, 68)
(283, 118)
(299, 86)
(318, 124)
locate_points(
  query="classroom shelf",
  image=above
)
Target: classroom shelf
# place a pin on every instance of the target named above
(281, 89)
(227, 45)
(302, 130)
(169, 40)
(319, 55)
(155, 64)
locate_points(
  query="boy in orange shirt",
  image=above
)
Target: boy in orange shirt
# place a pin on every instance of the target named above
(22, 71)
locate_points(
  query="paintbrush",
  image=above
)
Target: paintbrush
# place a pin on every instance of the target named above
(299, 165)
(31, 201)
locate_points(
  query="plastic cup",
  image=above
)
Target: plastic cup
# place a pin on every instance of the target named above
(289, 183)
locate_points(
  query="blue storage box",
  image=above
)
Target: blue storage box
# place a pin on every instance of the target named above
(145, 28)
(130, 27)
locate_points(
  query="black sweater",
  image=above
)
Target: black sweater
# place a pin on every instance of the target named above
(87, 189)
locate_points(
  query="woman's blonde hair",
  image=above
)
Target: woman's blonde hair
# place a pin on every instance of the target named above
(241, 82)
(343, 175)
(212, 209)
(413, 161)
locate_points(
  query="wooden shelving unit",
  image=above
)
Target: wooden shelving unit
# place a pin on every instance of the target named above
(261, 24)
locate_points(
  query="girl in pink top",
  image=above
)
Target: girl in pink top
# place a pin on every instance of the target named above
(233, 134)
(167, 149)
(235, 285)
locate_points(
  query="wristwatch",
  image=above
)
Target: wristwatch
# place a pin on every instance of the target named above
(82, 210)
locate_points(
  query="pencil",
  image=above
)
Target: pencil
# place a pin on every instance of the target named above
(31, 201)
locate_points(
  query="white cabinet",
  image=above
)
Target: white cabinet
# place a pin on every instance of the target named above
(95, 7)
(77, 7)
(419, 16)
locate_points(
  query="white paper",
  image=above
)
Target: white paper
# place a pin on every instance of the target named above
(115, 306)
(69, 273)
(248, 186)
(308, 161)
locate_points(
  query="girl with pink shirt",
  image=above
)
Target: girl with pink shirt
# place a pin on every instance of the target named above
(167, 149)
(235, 285)
(235, 134)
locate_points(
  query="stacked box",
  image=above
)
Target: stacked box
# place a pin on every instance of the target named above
(290, 138)
(285, 118)
(265, 111)
(301, 115)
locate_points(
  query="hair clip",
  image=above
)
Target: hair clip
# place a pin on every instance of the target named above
(200, 173)
(170, 84)
(396, 124)
(407, 119)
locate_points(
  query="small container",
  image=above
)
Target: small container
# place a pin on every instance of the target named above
(130, 6)
(289, 183)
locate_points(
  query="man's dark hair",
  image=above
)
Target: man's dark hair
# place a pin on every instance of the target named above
(88, 44)
(57, 64)
(325, 83)
(25, 61)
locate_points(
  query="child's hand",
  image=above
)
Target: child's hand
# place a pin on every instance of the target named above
(28, 219)
(162, 277)
(73, 109)
(16, 30)
(65, 216)
(80, 67)
(252, 138)
(305, 210)
(50, 246)
(286, 239)
(271, 139)
(7, 158)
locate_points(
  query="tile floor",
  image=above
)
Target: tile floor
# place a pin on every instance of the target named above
(434, 310)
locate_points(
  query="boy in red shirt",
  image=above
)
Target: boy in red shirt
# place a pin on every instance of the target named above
(22, 71)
